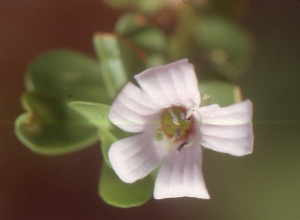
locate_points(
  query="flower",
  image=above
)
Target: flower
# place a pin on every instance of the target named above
(165, 112)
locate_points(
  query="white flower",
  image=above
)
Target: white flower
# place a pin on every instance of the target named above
(172, 127)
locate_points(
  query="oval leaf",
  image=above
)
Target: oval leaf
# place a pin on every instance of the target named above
(131, 23)
(144, 35)
(95, 113)
(120, 60)
(51, 127)
(117, 193)
(226, 46)
(220, 92)
(66, 74)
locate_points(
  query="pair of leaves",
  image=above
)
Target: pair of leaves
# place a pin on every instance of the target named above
(60, 76)
(50, 126)
(48, 118)
(53, 125)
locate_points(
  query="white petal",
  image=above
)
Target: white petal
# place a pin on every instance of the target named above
(227, 130)
(172, 84)
(133, 110)
(240, 113)
(181, 175)
(135, 157)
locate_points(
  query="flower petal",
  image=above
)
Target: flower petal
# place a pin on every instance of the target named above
(133, 110)
(181, 175)
(135, 157)
(227, 130)
(239, 113)
(172, 84)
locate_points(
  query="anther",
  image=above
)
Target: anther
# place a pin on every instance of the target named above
(174, 117)
(181, 146)
(177, 133)
(175, 120)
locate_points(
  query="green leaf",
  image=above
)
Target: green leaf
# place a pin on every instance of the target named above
(130, 23)
(182, 44)
(66, 74)
(117, 193)
(50, 127)
(95, 113)
(120, 60)
(227, 47)
(156, 60)
(144, 35)
(221, 92)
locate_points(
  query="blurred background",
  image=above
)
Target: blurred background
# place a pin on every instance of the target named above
(264, 185)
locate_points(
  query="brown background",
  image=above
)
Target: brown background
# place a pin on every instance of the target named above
(65, 187)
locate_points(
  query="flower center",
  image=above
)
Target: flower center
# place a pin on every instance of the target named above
(176, 125)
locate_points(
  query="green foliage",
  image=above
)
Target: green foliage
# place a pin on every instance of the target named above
(95, 113)
(65, 74)
(114, 191)
(182, 44)
(221, 92)
(107, 139)
(117, 193)
(217, 43)
(50, 127)
(131, 23)
(120, 60)
(144, 35)
(226, 46)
